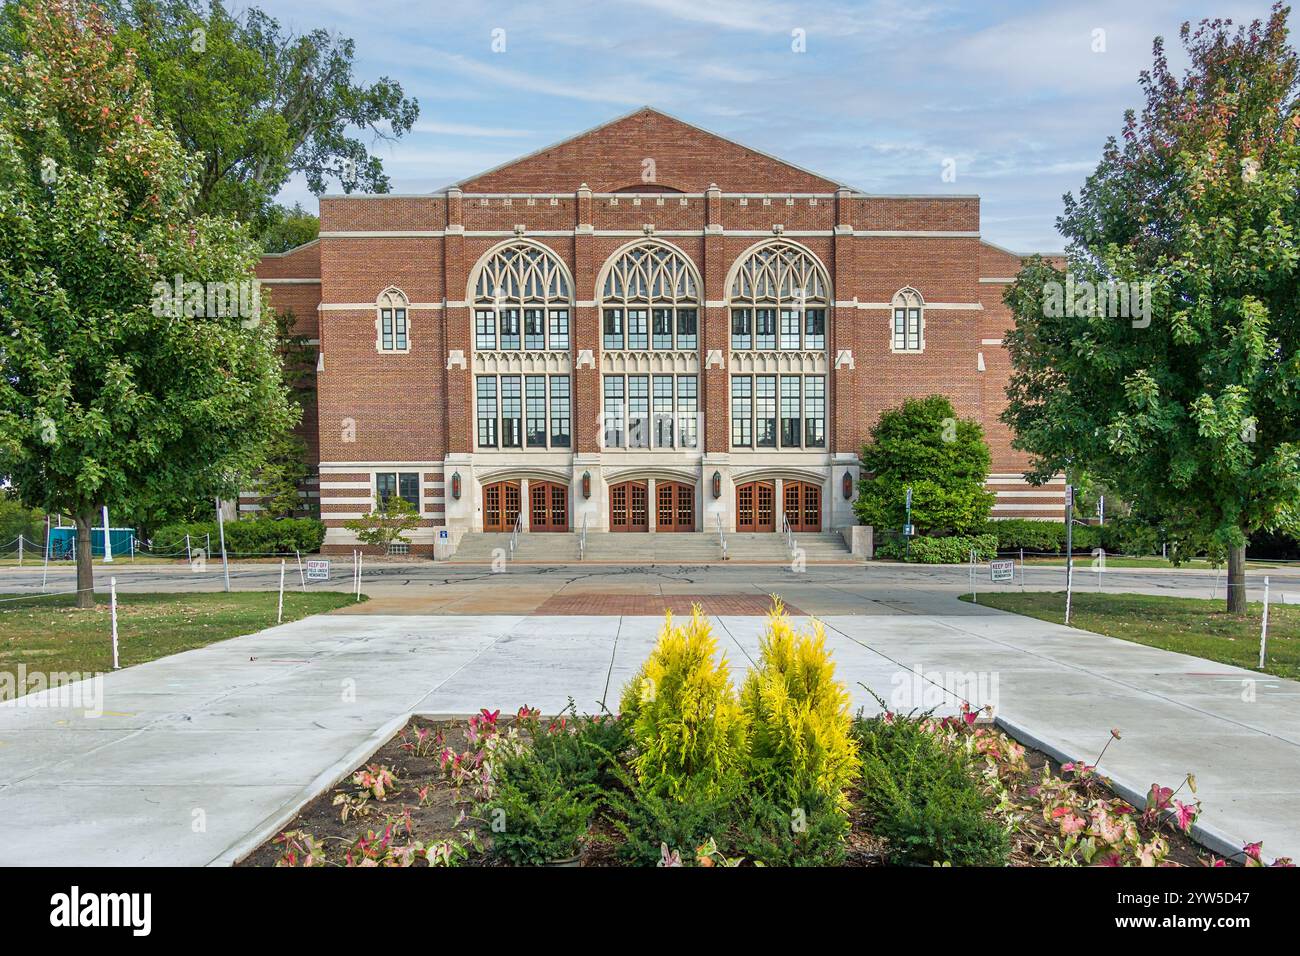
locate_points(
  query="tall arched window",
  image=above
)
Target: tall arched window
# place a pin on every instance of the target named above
(650, 301)
(650, 298)
(908, 309)
(522, 299)
(779, 295)
(392, 328)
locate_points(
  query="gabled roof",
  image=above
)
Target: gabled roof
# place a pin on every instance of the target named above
(647, 149)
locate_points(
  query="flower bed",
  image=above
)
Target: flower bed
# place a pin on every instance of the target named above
(694, 772)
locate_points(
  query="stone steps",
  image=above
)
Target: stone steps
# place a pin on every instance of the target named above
(651, 548)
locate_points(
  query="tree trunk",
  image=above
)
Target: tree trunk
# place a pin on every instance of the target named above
(85, 566)
(1237, 580)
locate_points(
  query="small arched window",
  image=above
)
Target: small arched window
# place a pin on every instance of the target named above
(909, 321)
(392, 326)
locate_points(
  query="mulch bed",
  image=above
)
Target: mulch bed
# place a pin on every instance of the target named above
(439, 813)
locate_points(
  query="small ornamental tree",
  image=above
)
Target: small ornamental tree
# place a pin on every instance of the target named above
(387, 524)
(1187, 406)
(110, 392)
(923, 445)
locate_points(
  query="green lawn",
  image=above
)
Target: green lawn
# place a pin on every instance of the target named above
(1189, 625)
(50, 634)
(1083, 563)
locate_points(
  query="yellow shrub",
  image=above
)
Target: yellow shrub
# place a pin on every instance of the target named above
(798, 715)
(682, 710)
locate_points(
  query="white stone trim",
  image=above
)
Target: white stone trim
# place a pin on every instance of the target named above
(289, 281)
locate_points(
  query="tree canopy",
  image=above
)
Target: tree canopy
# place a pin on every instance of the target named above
(1189, 407)
(923, 445)
(113, 389)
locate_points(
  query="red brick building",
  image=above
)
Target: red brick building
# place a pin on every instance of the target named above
(646, 327)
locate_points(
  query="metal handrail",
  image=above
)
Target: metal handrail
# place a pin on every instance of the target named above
(582, 539)
(722, 538)
(514, 534)
(789, 534)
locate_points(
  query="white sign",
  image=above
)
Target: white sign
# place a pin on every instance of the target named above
(1002, 570)
(909, 530)
(318, 569)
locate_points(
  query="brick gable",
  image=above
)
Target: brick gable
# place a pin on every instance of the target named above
(612, 157)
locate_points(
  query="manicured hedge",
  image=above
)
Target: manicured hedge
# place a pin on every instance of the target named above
(1049, 536)
(954, 549)
(251, 536)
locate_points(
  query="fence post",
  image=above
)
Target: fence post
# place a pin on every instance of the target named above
(1022, 569)
(279, 611)
(973, 598)
(360, 558)
(221, 533)
(301, 576)
(112, 602)
(20, 551)
(1263, 630)
(46, 570)
(189, 559)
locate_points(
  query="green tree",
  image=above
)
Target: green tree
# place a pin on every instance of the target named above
(260, 104)
(1189, 406)
(280, 479)
(112, 391)
(923, 445)
(387, 524)
(286, 228)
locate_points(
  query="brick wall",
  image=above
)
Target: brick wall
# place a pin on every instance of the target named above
(411, 408)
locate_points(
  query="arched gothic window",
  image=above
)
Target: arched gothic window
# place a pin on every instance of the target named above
(650, 300)
(392, 328)
(908, 309)
(779, 295)
(521, 300)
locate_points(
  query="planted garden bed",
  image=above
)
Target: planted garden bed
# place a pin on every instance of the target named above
(692, 772)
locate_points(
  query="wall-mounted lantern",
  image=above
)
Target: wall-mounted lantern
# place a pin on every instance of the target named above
(717, 484)
(847, 485)
(455, 485)
(586, 484)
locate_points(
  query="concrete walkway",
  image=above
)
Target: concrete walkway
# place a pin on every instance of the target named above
(197, 754)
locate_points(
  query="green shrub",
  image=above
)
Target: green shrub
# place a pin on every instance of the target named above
(800, 742)
(922, 445)
(950, 550)
(248, 537)
(648, 818)
(581, 751)
(775, 834)
(685, 721)
(925, 798)
(15, 520)
(536, 817)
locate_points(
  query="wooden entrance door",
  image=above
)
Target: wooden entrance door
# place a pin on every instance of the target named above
(628, 507)
(803, 505)
(674, 506)
(548, 506)
(756, 506)
(500, 506)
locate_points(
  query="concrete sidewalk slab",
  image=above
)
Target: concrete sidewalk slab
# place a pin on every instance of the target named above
(239, 733)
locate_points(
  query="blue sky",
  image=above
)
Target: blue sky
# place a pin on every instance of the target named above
(883, 95)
